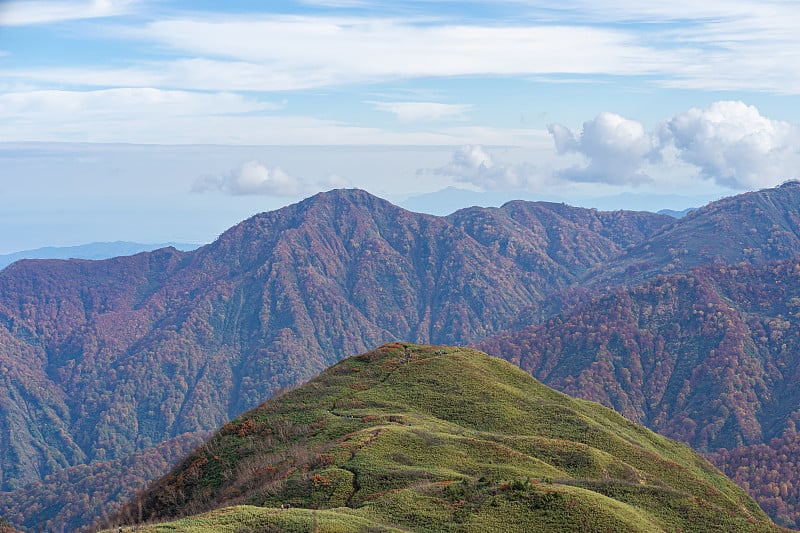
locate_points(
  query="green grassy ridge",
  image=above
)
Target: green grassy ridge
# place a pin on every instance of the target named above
(246, 518)
(429, 438)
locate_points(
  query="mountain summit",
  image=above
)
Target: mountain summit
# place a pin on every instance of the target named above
(434, 438)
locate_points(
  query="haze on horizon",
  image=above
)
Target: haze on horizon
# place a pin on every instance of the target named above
(171, 121)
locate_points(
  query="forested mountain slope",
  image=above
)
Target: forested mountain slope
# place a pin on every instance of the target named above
(754, 227)
(102, 359)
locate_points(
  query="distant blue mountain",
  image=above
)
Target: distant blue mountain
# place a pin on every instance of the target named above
(95, 250)
(676, 214)
(451, 199)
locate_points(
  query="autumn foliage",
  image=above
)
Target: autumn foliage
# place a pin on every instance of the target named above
(687, 326)
(770, 472)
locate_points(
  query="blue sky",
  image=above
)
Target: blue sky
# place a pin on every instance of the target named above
(157, 120)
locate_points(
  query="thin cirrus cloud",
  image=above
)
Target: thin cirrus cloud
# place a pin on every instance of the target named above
(19, 13)
(737, 44)
(399, 48)
(712, 45)
(147, 115)
(728, 44)
(728, 142)
(321, 51)
(423, 111)
(654, 12)
(62, 104)
(123, 114)
(194, 74)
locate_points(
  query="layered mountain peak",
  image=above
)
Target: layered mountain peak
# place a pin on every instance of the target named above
(335, 222)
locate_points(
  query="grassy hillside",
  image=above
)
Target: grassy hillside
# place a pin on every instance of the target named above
(428, 438)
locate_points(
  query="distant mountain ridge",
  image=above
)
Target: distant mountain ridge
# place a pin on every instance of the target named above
(446, 201)
(95, 250)
(755, 227)
(102, 359)
(676, 214)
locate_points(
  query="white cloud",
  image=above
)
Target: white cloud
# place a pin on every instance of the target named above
(314, 51)
(123, 115)
(615, 148)
(24, 13)
(354, 48)
(737, 44)
(728, 143)
(148, 116)
(473, 165)
(334, 181)
(715, 45)
(727, 44)
(56, 105)
(337, 3)
(734, 145)
(251, 178)
(195, 74)
(423, 111)
(678, 10)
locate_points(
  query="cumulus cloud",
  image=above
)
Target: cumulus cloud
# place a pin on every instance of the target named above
(423, 111)
(251, 178)
(472, 165)
(615, 149)
(734, 145)
(729, 143)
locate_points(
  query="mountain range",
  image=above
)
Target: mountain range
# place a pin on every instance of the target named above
(104, 360)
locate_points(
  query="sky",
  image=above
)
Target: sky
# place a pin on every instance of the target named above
(160, 120)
